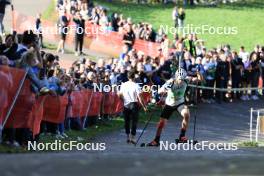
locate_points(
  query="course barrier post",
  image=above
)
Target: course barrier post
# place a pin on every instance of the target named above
(259, 123)
(88, 109)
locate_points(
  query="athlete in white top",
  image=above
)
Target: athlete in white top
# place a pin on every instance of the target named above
(131, 94)
(175, 90)
(130, 91)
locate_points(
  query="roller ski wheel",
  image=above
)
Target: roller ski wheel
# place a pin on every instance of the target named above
(184, 140)
(151, 144)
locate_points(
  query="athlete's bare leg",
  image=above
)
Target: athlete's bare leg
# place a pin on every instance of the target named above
(185, 113)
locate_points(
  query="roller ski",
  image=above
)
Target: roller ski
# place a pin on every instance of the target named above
(183, 140)
(151, 144)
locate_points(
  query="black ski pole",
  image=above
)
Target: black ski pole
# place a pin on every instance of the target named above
(195, 114)
(142, 132)
(150, 117)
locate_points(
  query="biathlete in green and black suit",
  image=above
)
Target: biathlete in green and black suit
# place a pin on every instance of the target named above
(175, 90)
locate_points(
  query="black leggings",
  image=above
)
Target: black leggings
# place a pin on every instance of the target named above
(79, 43)
(131, 114)
(254, 82)
(208, 94)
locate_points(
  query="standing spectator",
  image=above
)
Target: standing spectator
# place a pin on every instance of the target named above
(39, 30)
(121, 77)
(255, 73)
(28, 41)
(95, 17)
(200, 48)
(181, 18)
(89, 84)
(210, 68)
(179, 46)
(222, 76)
(59, 4)
(114, 21)
(159, 36)
(79, 33)
(129, 37)
(63, 29)
(193, 68)
(165, 45)
(189, 43)
(124, 52)
(246, 77)
(243, 54)
(141, 77)
(130, 93)
(147, 64)
(186, 62)
(237, 68)
(175, 16)
(103, 21)
(3, 4)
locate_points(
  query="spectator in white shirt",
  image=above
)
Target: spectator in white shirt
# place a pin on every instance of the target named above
(131, 94)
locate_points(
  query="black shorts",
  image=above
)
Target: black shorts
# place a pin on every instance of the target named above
(63, 36)
(168, 110)
(63, 32)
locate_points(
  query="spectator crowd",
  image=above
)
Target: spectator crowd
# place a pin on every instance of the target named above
(84, 11)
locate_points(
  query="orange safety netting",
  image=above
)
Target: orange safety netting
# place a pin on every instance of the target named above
(29, 110)
(10, 81)
(55, 109)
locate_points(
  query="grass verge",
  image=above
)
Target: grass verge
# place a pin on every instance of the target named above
(83, 136)
(90, 133)
(246, 16)
(250, 144)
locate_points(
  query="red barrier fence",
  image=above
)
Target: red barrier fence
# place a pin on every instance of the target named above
(30, 110)
(97, 39)
(10, 79)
